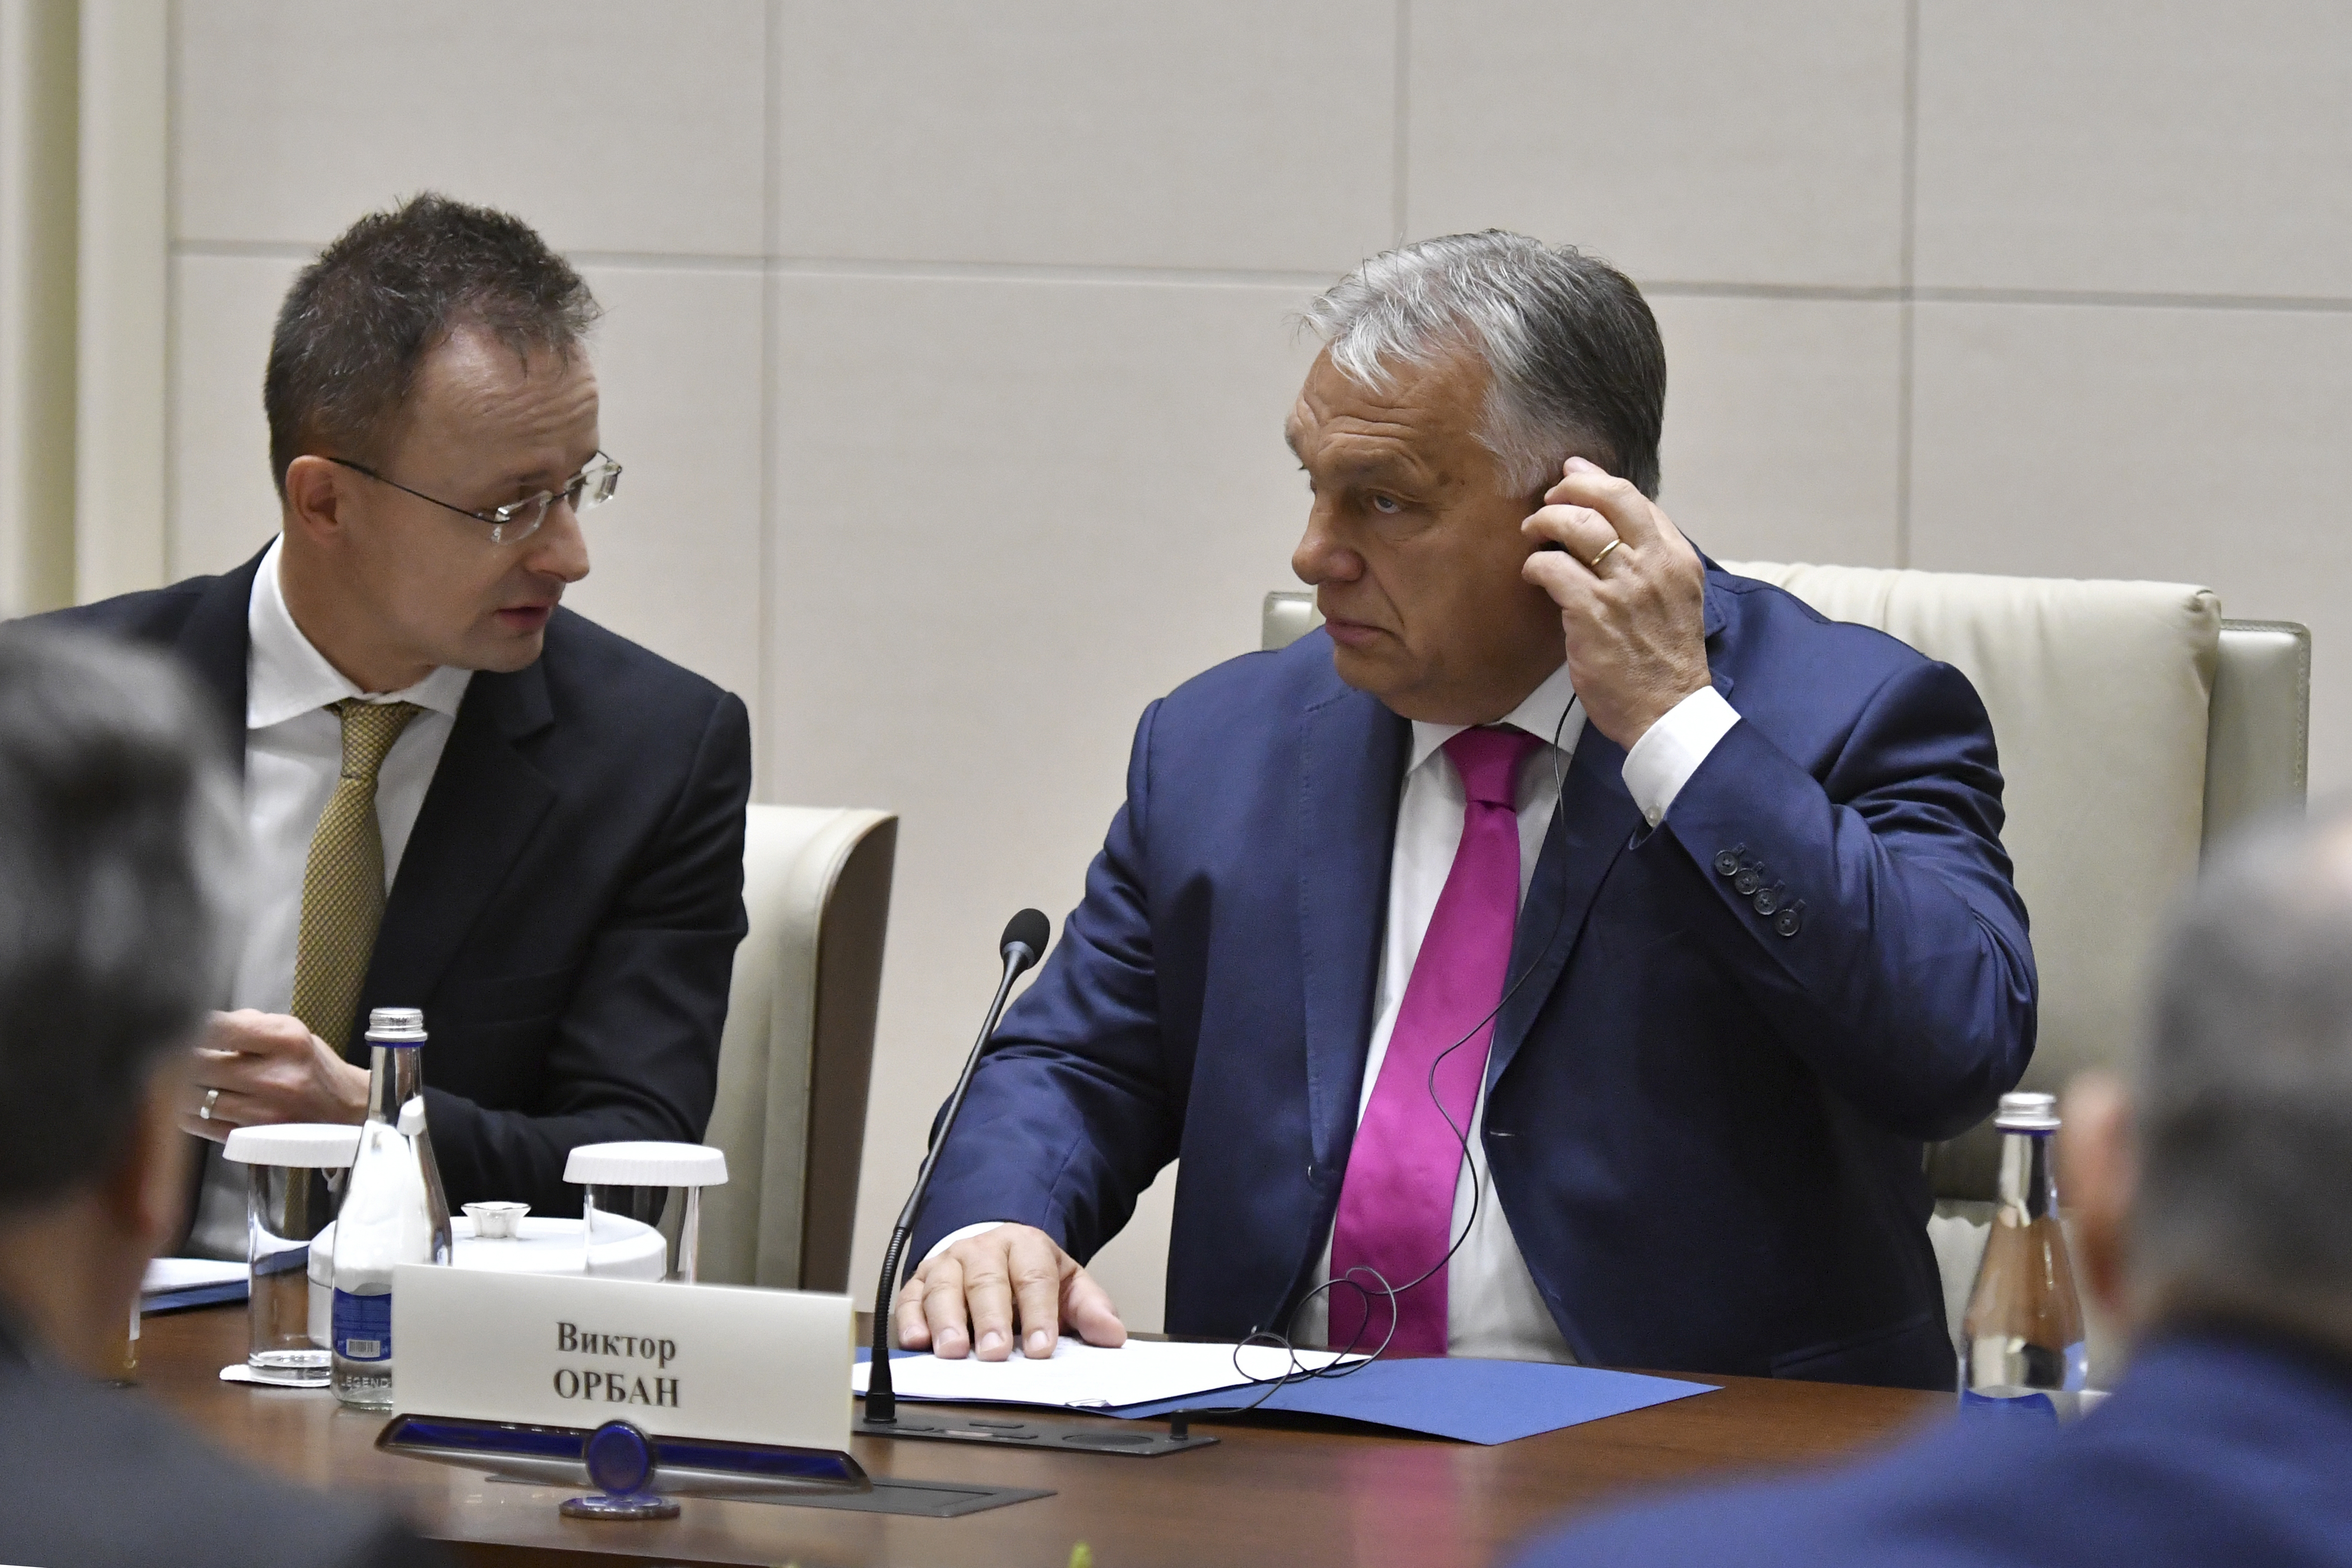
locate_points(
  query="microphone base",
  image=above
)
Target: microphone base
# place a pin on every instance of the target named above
(1132, 1439)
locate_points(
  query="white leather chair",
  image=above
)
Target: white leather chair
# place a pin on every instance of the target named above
(799, 1048)
(2136, 728)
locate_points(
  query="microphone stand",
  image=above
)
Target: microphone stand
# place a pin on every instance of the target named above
(881, 1400)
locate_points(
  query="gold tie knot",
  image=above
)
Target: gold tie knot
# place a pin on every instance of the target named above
(369, 730)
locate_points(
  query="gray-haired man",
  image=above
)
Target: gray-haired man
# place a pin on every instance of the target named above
(2212, 1199)
(460, 796)
(1563, 953)
(118, 847)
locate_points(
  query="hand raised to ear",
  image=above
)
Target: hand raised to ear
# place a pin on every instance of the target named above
(1632, 594)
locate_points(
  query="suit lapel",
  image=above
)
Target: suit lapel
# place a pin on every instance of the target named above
(1351, 768)
(485, 801)
(1595, 822)
(217, 644)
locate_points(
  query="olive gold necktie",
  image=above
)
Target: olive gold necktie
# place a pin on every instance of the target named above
(343, 886)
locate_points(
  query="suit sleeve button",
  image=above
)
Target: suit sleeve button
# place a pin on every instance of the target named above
(1768, 899)
(1790, 920)
(1726, 861)
(1747, 882)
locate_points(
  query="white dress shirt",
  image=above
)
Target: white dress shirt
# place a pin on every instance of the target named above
(293, 755)
(1492, 1306)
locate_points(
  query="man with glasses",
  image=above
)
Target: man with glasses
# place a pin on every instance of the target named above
(461, 796)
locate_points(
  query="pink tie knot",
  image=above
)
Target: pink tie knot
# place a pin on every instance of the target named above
(1488, 761)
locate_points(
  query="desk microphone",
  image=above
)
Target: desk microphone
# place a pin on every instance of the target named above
(1026, 936)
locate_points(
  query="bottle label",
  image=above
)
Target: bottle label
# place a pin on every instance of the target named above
(2033, 1406)
(362, 1330)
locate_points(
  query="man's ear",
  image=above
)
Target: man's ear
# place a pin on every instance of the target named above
(2098, 1176)
(146, 1192)
(316, 493)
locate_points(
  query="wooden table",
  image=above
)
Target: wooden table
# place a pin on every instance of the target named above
(1298, 1494)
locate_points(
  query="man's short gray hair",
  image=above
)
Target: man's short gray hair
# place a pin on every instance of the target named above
(1573, 352)
(2244, 1094)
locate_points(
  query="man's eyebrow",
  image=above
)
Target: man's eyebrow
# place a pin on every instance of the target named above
(1380, 468)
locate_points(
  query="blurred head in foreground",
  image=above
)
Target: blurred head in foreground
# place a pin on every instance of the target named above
(2212, 1191)
(2217, 1185)
(116, 842)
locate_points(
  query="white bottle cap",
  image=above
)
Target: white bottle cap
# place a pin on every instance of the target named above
(320, 1145)
(647, 1165)
(412, 1117)
(2027, 1113)
(396, 1026)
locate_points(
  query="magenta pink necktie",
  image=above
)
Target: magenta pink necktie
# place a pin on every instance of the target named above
(1396, 1202)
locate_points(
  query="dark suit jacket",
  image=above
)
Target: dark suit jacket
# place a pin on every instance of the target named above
(99, 1477)
(2218, 1447)
(567, 909)
(1705, 1135)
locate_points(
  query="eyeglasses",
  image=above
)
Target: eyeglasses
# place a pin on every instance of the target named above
(518, 520)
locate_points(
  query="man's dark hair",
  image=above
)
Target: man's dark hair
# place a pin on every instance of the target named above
(361, 317)
(117, 848)
(1573, 353)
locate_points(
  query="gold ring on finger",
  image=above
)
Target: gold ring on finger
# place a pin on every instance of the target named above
(1594, 564)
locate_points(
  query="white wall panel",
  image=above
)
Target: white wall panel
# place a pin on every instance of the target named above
(1782, 426)
(223, 505)
(2201, 446)
(1219, 133)
(1694, 140)
(608, 124)
(2167, 145)
(1009, 516)
(675, 555)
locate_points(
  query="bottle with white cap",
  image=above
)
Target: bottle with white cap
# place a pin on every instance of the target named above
(394, 1209)
(2022, 1348)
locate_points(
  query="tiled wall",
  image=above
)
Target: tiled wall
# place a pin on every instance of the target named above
(947, 346)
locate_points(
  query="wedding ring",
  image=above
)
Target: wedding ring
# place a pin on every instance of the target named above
(1594, 564)
(212, 1098)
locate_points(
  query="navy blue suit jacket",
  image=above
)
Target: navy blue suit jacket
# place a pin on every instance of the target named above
(1705, 1135)
(2217, 1448)
(567, 909)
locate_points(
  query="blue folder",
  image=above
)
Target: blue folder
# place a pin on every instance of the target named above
(1457, 1397)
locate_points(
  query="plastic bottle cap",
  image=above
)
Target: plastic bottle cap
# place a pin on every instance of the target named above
(497, 1221)
(2027, 1113)
(396, 1026)
(320, 1145)
(647, 1165)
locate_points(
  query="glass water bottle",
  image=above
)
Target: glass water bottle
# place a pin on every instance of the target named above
(394, 1210)
(2022, 1338)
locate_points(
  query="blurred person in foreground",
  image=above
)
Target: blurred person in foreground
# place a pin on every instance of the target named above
(117, 836)
(1559, 954)
(460, 796)
(2212, 1201)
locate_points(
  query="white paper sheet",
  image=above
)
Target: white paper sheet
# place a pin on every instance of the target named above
(168, 1274)
(1080, 1376)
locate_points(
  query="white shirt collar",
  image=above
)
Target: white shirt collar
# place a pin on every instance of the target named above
(1539, 716)
(287, 676)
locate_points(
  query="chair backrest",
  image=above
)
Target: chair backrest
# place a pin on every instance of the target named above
(2135, 726)
(799, 1048)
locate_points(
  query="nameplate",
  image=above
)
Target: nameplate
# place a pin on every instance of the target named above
(719, 1362)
